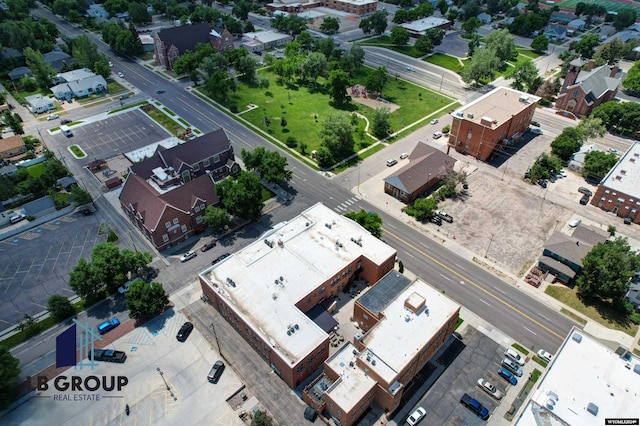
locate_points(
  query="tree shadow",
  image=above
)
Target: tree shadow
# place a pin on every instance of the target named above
(609, 312)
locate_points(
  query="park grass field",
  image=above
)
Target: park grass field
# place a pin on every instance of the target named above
(611, 5)
(445, 61)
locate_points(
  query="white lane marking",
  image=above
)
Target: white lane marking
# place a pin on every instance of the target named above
(530, 331)
(446, 278)
(484, 302)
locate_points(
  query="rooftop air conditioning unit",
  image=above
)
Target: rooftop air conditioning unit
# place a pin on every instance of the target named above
(470, 115)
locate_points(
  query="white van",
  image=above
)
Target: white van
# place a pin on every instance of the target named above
(66, 131)
(16, 218)
(437, 135)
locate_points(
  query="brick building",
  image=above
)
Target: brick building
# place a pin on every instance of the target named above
(583, 90)
(267, 290)
(499, 117)
(619, 191)
(171, 43)
(355, 7)
(165, 196)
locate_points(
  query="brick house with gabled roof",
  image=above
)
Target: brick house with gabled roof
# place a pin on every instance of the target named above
(165, 196)
(427, 166)
(12, 148)
(171, 43)
(583, 90)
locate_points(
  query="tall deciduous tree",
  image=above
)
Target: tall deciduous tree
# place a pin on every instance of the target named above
(471, 25)
(145, 299)
(9, 377)
(60, 307)
(502, 44)
(337, 136)
(241, 196)
(330, 25)
(338, 83)
(540, 43)
(400, 36)
(216, 218)
(566, 143)
(597, 164)
(381, 122)
(525, 76)
(377, 79)
(82, 281)
(482, 65)
(423, 44)
(41, 70)
(369, 221)
(611, 52)
(607, 269)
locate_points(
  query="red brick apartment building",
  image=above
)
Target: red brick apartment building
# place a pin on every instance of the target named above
(268, 290)
(499, 117)
(619, 191)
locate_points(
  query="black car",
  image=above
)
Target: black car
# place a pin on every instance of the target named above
(160, 91)
(65, 121)
(436, 219)
(215, 372)
(220, 258)
(542, 183)
(535, 123)
(208, 246)
(108, 355)
(584, 200)
(552, 178)
(585, 191)
(184, 332)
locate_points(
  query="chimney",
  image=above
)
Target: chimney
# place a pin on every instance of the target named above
(614, 71)
(590, 65)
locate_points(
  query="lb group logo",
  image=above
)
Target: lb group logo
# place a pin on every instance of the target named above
(76, 350)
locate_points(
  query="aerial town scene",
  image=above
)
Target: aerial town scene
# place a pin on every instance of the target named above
(341, 212)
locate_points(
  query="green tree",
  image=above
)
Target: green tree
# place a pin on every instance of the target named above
(611, 52)
(543, 167)
(82, 281)
(540, 43)
(241, 196)
(134, 261)
(591, 127)
(379, 21)
(482, 66)
(632, 82)
(607, 270)
(471, 25)
(597, 164)
(377, 79)
(246, 68)
(501, 42)
(80, 196)
(586, 45)
(400, 36)
(381, 124)
(337, 86)
(314, 65)
(29, 326)
(423, 44)
(366, 25)
(369, 221)
(41, 70)
(330, 25)
(525, 76)
(218, 84)
(270, 165)
(138, 13)
(107, 266)
(436, 35)
(422, 208)
(9, 377)
(241, 9)
(60, 307)
(525, 24)
(337, 135)
(624, 18)
(260, 418)
(474, 43)
(218, 219)
(145, 299)
(566, 143)
(443, 7)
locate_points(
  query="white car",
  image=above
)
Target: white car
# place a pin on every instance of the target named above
(391, 162)
(416, 416)
(120, 74)
(562, 173)
(411, 69)
(575, 223)
(613, 151)
(110, 64)
(404, 155)
(545, 355)
(535, 131)
(512, 354)
(188, 255)
(489, 388)
(52, 117)
(434, 121)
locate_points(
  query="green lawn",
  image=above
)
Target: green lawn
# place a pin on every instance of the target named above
(528, 52)
(305, 110)
(445, 61)
(611, 5)
(385, 41)
(37, 169)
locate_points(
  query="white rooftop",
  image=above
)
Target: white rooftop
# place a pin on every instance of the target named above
(264, 282)
(625, 175)
(424, 24)
(500, 104)
(265, 36)
(352, 384)
(402, 334)
(584, 377)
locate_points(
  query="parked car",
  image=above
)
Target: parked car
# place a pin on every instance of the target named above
(527, 174)
(108, 325)
(437, 135)
(110, 64)
(473, 405)
(120, 74)
(508, 376)
(434, 121)
(553, 178)
(444, 216)
(108, 355)
(208, 246)
(416, 416)
(535, 123)
(584, 200)
(545, 355)
(404, 155)
(613, 151)
(585, 191)
(125, 287)
(65, 121)
(536, 131)
(215, 372)
(184, 331)
(542, 183)
(593, 181)
(489, 388)
(52, 117)
(575, 223)
(512, 366)
(513, 355)
(220, 258)
(391, 162)
(562, 174)
(436, 219)
(160, 91)
(258, 52)
(188, 255)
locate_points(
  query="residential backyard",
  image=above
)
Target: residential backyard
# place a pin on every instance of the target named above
(305, 110)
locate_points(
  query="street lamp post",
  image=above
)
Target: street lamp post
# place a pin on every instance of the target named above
(489, 246)
(163, 379)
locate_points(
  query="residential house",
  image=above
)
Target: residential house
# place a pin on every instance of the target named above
(56, 59)
(262, 40)
(67, 183)
(633, 295)
(19, 72)
(619, 191)
(562, 255)
(165, 195)
(562, 17)
(556, 33)
(12, 148)
(577, 159)
(583, 90)
(427, 166)
(575, 25)
(98, 12)
(171, 43)
(147, 42)
(38, 104)
(78, 83)
(484, 18)
(39, 208)
(498, 118)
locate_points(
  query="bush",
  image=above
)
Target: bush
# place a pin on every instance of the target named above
(233, 108)
(112, 237)
(60, 307)
(291, 142)
(446, 128)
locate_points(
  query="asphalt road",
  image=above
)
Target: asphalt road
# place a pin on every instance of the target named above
(528, 321)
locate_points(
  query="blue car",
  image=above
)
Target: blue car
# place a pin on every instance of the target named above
(508, 376)
(108, 325)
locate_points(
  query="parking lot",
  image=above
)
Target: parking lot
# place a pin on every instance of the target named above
(119, 133)
(180, 395)
(37, 263)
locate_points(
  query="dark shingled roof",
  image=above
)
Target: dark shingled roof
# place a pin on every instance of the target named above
(185, 37)
(384, 292)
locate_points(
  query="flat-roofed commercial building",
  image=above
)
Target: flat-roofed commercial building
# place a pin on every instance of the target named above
(619, 191)
(266, 289)
(403, 324)
(421, 26)
(585, 383)
(499, 117)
